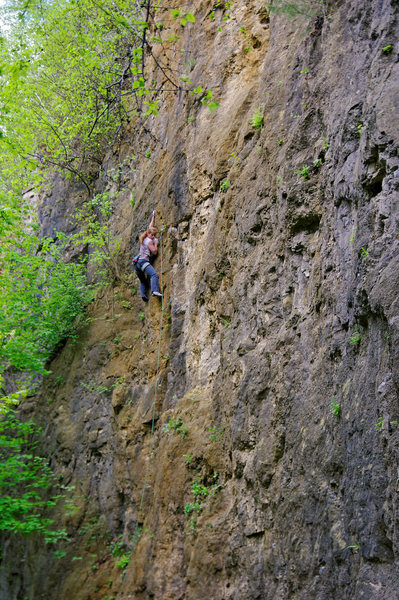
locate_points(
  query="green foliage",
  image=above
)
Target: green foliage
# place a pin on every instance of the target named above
(225, 5)
(225, 185)
(335, 407)
(118, 547)
(318, 162)
(187, 459)
(123, 561)
(216, 434)
(354, 548)
(61, 81)
(184, 18)
(205, 97)
(41, 299)
(387, 49)
(355, 337)
(93, 220)
(25, 479)
(353, 236)
(257, 118)
(379, 423)
(92, 386)
(67, 91)
(120, 552)
(200, 493)
(364, 253)
(176, 427)
(304, 172)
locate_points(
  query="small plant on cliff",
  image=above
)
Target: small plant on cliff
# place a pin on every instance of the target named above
(257, 118)
(123, 561)
(176, 427)
(225, 185)
(318, 162)
(379, 423)
(353, 236)
(364, 253)
(335, 407)
(187, 459)
(387, 49)
(205, 97)
(304, 172)
(216, 434)
(201, 492)
(355, 337)
(92, 386)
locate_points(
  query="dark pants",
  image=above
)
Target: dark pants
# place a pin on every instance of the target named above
(148, 273)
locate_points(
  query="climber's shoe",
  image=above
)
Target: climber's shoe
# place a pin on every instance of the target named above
(158, 294)
(144, 298)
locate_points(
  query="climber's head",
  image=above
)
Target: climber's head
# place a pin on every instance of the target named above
(152, 232)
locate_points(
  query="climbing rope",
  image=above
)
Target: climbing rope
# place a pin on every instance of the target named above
(136, 531)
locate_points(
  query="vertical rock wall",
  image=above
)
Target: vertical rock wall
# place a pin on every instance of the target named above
(280, 297)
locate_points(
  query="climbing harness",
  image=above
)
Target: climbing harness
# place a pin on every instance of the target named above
(143, 266)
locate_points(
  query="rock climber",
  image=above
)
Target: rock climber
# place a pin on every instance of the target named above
(142, 262)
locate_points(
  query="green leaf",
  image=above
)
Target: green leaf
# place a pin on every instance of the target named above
(213, 106)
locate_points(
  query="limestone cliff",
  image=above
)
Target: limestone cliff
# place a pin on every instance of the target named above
(280, 298)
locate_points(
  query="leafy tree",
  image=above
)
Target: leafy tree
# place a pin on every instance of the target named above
(74, 73)
(41, 296)
(24, 479)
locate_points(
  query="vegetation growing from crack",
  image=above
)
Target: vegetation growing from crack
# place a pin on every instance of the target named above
(200, 491)
(335, 407)
(355, 338)
(216, 433)
(257, 118)
(304, 172)
(176, 426)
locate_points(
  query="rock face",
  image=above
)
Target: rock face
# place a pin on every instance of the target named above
(277, 346)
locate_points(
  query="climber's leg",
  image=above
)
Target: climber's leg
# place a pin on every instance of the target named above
(143, 283)
(154, 280)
